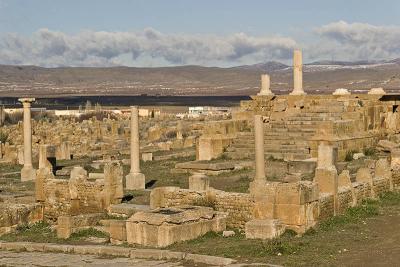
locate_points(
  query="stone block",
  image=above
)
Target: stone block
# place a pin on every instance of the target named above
(298, 215)
(297, 193)
(163, 227)
(117, 231)
(135, 181)
(344, 179)
(157, 196)
(264, 229)
(199, 182)
(64, 227)
(28, 174)
(383, 171)
(395, 159)
(327, 180)
(147, 156)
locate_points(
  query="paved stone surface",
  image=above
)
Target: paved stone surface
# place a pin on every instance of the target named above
(9, 258)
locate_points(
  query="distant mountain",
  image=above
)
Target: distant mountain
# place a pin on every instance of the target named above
(354, 63)
(269, 66)
(320, 77)
(395, 61)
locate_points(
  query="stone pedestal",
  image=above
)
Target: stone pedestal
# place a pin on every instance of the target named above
(135, 180)
(28, 173)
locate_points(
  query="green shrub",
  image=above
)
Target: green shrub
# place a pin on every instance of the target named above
(369, 151)
(3, 137)
(349, 155)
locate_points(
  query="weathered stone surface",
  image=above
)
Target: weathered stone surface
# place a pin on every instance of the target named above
(199, 182)
(264, 229)
(12, 215)
(163, 227)
(344, 179)
(197, 165)
(386, 145)
(117, 230)
(126, 209)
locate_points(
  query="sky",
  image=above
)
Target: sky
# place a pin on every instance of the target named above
(151, 33)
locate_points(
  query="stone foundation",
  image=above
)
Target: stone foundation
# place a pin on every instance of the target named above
(165, 226)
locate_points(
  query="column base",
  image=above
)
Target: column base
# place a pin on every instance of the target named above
(28, 174)
(257, 187)
(135, 181)
(298, 93)
(265, 94)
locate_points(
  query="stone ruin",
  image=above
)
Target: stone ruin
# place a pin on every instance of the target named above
(301, 140)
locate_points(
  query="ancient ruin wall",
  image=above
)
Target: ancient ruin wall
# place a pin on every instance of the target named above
(239, 206)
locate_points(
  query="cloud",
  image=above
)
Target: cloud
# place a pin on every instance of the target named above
(149, 47)
(356, 41)
(89, 48)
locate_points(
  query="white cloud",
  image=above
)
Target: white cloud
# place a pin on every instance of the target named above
(338, 40)
(89, 48)
(356, 41)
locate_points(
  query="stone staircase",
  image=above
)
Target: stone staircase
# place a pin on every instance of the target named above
(287, 140)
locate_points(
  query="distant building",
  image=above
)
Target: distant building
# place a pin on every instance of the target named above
(208, 111)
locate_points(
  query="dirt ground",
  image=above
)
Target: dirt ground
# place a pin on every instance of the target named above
(381, 244)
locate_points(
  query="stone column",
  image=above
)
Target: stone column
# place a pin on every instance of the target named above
(259, 147)
(297, 73)
(135, 179)
(265, 85)
(27, 172)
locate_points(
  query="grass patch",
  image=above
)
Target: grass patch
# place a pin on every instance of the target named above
(42, 232)
(38, 232)
(367, 209)
(89, 232)
(370, 151)
(272, 158)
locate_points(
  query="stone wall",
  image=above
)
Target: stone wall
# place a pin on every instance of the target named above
(79, 195)
(299, 205)
(326, 206)
(12, 215)
(57, 198)
(361, 191)
(239, 206)
(345, 199)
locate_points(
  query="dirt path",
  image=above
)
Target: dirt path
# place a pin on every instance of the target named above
(382, 242)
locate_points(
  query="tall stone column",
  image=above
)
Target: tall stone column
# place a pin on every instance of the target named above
(265, 85)
(28, 172)
(259, 147)
(297, 73)
(135, 179)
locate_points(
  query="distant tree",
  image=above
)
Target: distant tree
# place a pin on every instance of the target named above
(97, 107)
(88, 106)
